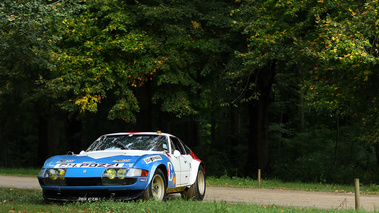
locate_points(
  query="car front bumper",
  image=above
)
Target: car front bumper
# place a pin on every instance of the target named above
(92, 189)
(91, 195)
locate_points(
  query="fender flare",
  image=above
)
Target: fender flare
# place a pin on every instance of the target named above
(194, 169)
(153, 167)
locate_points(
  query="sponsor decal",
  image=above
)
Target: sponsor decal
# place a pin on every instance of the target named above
(143, 180)
(152, 159)
(88, 165)
(65, 161)
(122, 160)
(171, 173)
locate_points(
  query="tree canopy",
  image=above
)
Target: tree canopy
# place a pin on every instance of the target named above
(248, 83)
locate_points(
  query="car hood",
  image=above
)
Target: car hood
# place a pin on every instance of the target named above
(112, 158)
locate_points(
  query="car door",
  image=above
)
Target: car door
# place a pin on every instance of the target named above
(182, 162)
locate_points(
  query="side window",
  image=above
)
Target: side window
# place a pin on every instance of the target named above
(172, 146)
(187, 149)
(177, 145)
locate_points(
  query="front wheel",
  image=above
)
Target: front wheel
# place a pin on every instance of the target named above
(157, 187)
(197, 190)
(45, 198)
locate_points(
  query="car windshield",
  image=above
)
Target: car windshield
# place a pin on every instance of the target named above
(129, 142)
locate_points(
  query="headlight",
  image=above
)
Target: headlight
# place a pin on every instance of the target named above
(137, 173)
(121, 173)
(111, 173)
(53, 174)
(114, 177)
(62, 173)
(54, 177)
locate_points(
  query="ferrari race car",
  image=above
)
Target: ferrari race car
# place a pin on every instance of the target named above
(125, 166)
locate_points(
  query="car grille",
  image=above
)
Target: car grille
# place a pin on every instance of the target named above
(85, 182)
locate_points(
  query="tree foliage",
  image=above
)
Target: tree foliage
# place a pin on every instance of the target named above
(249, 83)
(103, 53)
(344, 80)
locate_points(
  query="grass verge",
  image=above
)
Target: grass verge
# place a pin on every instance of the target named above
(237, 182)
(21, 200)
(19, 171)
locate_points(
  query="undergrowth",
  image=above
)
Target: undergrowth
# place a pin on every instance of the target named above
(21, 200)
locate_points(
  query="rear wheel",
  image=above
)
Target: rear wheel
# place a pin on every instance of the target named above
(157, 187)
(197, 190)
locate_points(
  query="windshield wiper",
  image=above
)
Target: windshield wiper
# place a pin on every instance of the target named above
(119, 144)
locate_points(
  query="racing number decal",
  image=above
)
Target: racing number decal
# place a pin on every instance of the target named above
(86, 165)
(171, 173)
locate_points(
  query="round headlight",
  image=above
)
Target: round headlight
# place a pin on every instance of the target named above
(53, 174)
(121, 173)
(111, 173)
(62, 173)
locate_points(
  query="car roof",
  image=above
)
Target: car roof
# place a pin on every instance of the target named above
(138, 133)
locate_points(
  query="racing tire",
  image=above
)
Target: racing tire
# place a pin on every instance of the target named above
(197, 190)
(45, 198)
(157, 188)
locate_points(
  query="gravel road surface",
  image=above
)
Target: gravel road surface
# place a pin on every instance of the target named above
(322, 200)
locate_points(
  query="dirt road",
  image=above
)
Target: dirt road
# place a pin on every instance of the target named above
(322, 200)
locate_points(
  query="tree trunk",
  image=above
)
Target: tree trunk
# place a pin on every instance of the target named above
(235, 125)
(258, 151)
(337, 138)
(302, 117)
(4, 144)
(377, 153)
(145, 115)
(258, 155)
(73, 128)
(52, 136)
(192, 133)
(43, 145)
(213, 124)
(301, 99)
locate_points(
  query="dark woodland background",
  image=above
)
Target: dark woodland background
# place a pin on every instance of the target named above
(286, 87)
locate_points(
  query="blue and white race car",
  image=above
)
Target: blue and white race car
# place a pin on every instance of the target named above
(125, 166)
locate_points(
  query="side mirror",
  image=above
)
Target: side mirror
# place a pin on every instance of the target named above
(176, 153)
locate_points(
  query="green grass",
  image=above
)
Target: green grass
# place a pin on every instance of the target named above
(21, 200)
(237, 182)
(19, 171)
(24, 200)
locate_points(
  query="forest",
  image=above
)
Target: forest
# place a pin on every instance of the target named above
(286, 86)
